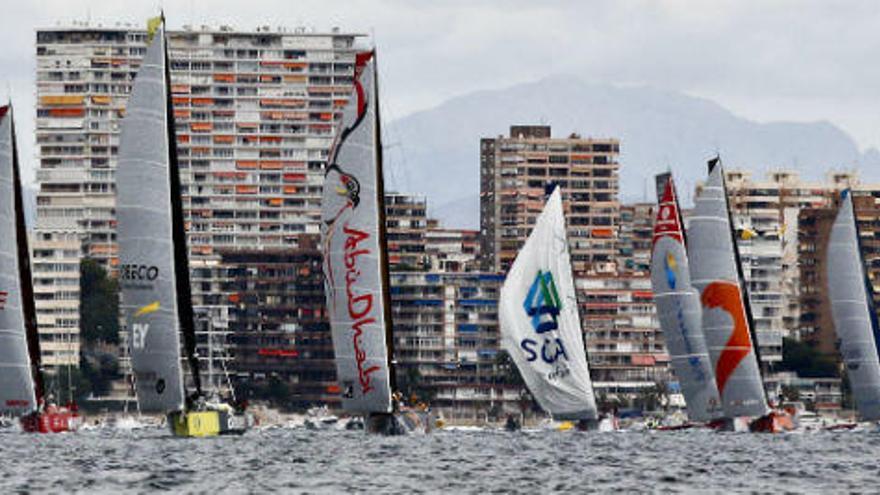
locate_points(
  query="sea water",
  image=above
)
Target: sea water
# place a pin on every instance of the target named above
(480, 462)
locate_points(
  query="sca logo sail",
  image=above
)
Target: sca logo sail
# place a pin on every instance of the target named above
(542, 306)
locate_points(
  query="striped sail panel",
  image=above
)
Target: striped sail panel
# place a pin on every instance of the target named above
(715, 275)
(17, 394)
(540, 326)
(679, 310)
(144, 232)
(353, 253)
(851, 309)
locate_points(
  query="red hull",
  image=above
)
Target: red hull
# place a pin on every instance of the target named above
(50, 422)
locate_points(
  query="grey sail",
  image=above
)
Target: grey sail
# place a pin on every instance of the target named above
(726, 326)
(147, 274)
(679, 310)
(355, 271)
(851, 309)
(17, 391)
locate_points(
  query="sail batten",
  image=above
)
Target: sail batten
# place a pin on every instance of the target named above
(355, 261)
(21, 381)
(149, 262)
(540, 323)
(678, 308)
(853, 312)
(726, 323)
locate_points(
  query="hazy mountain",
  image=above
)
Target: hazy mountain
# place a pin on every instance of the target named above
(436, 152)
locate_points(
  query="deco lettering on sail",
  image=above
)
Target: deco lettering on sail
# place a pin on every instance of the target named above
(360, 306)
(138, 276)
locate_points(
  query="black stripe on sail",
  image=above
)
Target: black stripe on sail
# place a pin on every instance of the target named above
(744, 287)
(383, 243)
(178, 236)
(24, 270)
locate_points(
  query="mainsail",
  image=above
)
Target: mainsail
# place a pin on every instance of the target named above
(355, 260)
(20, 378)
(540, 325)
(679, 310)
(726, 327)
(152, 255)
(852, 308)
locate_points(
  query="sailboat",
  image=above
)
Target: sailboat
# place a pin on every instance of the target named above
(540, 324)
(154, 268)
(679, 309)
(22, 393)
(853, 311)
(727, 322)
(356, 264)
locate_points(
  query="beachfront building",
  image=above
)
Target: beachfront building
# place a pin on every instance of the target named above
(625, 345)
(281, 346)
(518, 171)
(254, 113)
(447, 344)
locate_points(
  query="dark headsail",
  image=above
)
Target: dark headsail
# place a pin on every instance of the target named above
(178, 238)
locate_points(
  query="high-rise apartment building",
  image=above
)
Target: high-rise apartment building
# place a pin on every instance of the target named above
(625, 346)
(254, 115)
(447, 341)
(280, 335)
(517, 173)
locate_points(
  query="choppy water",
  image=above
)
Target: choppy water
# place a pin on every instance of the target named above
(294, 461)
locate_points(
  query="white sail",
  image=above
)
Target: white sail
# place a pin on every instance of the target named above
(17, 395)
(354, 256)
(540, 325)
(679, 310)
(147, 273)
(852, 309)
(726, 326)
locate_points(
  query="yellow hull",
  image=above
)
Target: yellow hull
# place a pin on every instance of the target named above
(195, 424)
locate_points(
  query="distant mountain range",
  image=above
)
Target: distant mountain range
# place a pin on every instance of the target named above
(436, 151)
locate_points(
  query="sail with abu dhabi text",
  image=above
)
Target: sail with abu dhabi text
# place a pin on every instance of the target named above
(716, 274)
(678, 308)
(540, 325)
(355, 264)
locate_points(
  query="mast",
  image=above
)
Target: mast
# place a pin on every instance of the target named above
(24, 270)
(744, 286)
(383, 242)
(178, 235)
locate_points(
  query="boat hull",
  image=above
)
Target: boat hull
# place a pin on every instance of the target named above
(400, 423)
(51, 422)
(195, 424)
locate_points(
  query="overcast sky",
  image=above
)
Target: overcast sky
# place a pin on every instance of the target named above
(764, 60)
